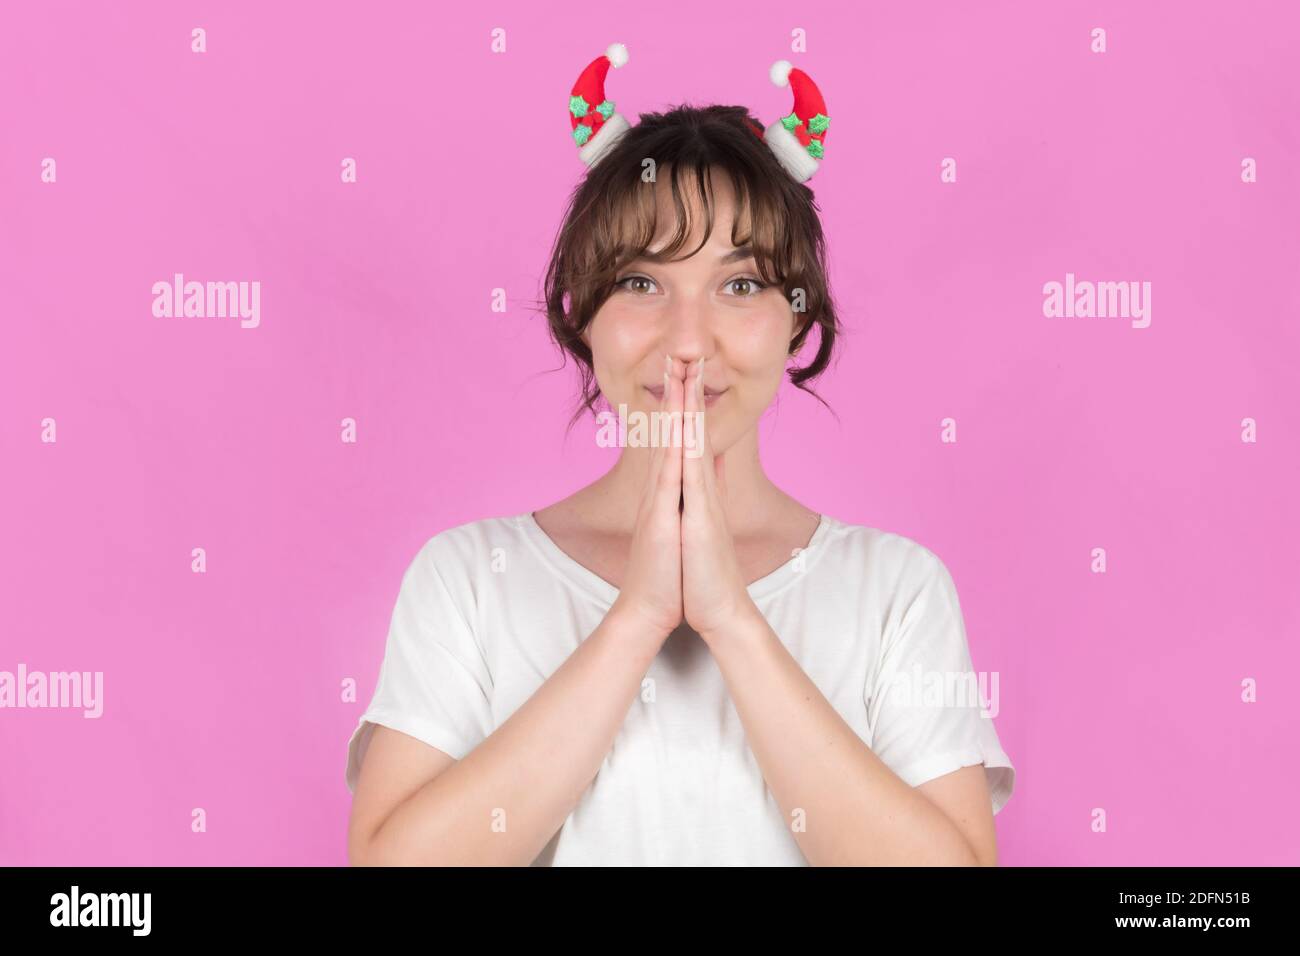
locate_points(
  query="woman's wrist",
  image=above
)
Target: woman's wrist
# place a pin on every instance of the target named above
(636, 626)
(742, 621)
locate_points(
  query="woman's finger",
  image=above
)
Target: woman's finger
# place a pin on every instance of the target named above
(657, 451)
(694, 460)
(709, 462)
(670, 478)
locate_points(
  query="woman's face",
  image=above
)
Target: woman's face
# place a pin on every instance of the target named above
(712, 304)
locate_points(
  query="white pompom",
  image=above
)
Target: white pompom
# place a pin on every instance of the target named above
(617, 54)
(780, 72)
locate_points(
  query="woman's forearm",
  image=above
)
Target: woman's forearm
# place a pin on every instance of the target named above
(851, 809)
(503, 802)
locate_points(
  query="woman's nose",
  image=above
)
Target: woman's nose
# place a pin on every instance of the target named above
(687, 332)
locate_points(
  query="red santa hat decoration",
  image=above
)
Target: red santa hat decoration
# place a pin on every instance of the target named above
(797, 140)
(595, 124)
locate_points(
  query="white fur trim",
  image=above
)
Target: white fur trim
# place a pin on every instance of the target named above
(617, 54)
(604, 138)
(798, 162)
(780, 72)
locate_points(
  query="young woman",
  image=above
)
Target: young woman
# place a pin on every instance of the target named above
(679, 663)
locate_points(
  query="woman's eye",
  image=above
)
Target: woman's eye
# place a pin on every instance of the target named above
(743, 287)
(623, 284)
(752, 287)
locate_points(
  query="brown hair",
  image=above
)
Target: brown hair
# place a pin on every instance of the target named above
(611, 221)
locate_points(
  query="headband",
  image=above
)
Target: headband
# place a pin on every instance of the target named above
(796, 140)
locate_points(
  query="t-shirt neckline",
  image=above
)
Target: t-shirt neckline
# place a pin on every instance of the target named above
(591, 582)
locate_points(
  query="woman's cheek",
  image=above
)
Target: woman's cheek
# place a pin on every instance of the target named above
(630, 336)
(617, 345)
(764, 334)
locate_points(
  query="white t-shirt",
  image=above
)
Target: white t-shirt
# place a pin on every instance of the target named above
(488, 610)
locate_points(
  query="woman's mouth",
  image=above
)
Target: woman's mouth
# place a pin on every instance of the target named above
(711, 395)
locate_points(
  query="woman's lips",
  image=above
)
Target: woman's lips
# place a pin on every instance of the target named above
(710, 395)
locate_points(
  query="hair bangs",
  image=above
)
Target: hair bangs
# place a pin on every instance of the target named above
(633, 211)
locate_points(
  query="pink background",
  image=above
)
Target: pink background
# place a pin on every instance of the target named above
(222, 690)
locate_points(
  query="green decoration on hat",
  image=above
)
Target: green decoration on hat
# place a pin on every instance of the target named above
(815, 149)
(819, 123)
(578, 106)
(790, 122)
(582, 133)
(606, 109)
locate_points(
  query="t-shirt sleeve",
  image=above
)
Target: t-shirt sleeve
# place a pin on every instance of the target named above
(926, 705)
(434, 682)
